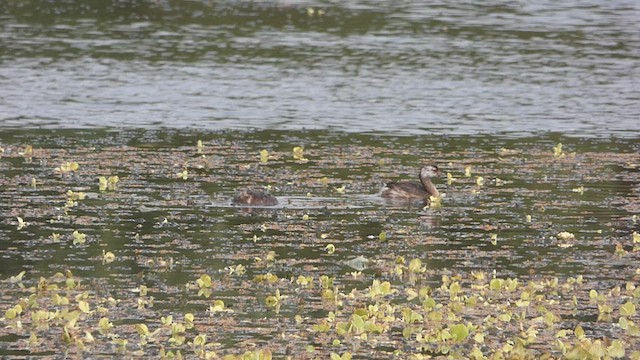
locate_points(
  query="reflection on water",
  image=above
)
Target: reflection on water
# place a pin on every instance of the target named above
(358, 66)
(166, 231)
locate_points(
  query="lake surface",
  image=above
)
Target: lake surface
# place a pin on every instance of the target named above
(556, 223)
(397, 67)
(529, 110)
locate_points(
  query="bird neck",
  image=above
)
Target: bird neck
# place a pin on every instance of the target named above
(429, 187)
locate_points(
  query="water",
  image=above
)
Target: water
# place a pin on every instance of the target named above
(165, 232)
(401, 67)
(372, 91)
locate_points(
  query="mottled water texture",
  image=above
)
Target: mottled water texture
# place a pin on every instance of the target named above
(169, 220)
(402, 67)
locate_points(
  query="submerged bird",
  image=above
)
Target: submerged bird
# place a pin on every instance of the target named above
(414, 190)
(256, 198)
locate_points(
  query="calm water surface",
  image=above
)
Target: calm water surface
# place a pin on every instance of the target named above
(359, 66)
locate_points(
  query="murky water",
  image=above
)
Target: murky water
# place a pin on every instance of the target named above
(528, 249)
(166, 231)
(359, 66)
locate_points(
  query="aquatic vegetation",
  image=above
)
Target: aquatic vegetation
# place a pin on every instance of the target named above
(298, 154)
(435, 202)
(68, 167)
(110, 183)
(107, 257)
(78, 237)
(264, 156)
(17, 279)
(330, 248)
(494, 239)
(21, 223)
(184, 174)
(565, 235)
(316, 12)
(579, 190)
(164, 268)
(557, 151)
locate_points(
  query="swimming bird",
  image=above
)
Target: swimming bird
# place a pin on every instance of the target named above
(252, 197)
(414, 190)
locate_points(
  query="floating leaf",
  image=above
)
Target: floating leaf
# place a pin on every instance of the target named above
(166, 321)
(459, 332)
(200, 340)
(298, 153)
(330, 248)
(321, 327)
(142, 329)
(184, 174)
(415, 266)
(217, 305)
(557, 151)
(189, 317)
(264, 156)
(68, 167)
(450, 179)
(21, 223)
(435, 202)
(565, 235)
(494, 239)
(104, 324)
(204, 281)
(616, 349)
(579, 190)
(84, 307)
(17, 278)
(102, 183)
(107, 257)
(357, 322)
(108, 183)
(496, 284)
(628, 309)
(79, 238)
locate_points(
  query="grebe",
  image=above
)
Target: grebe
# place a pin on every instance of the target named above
(256, 198)
(414, 190)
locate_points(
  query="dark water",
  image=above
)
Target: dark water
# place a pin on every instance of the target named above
(360, 66)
